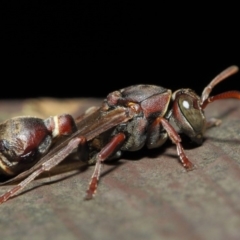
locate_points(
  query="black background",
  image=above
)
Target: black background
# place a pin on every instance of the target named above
(86, 49)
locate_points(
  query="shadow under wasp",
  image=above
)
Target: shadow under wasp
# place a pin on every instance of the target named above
(127, 120)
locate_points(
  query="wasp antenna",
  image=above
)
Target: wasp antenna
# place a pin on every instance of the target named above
(225, 95)
(220, 77)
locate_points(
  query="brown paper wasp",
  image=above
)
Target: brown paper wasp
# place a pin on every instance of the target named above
(127, 120)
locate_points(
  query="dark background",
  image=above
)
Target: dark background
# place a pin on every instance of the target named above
(85, 49)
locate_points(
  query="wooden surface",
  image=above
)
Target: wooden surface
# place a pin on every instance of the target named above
(145, 195)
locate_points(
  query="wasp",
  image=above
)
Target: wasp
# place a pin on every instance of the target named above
(127, 120)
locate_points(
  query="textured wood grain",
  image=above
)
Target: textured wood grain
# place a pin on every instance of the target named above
(145, 195)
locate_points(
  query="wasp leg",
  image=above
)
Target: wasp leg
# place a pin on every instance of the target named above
(46, 166)
(108, 150)
(83, 150)
(213, 122)
(177, 140)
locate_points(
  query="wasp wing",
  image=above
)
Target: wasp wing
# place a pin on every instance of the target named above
(90, 126)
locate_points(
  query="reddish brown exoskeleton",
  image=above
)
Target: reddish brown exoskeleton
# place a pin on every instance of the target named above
(24, 140)
(129, 119)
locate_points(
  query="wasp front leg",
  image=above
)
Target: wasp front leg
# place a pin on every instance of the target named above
(156, 139)
(213, 122)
